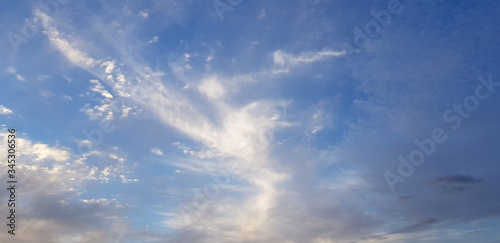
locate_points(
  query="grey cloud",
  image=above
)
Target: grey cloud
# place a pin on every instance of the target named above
(455, 179)
(454, 184)
(417, 226)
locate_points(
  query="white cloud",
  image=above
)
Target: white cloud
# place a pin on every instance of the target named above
(282, 58)
(281, 70)
(11, 70)
(112, 166)
(212, 88)
(45, 152)
(47, 167)
(143, 14)
(126, 180)
(42, 77)
(117, 158)
(241, 133)
(262, 14)
(102, 202)
(125, 111)
(4, 110)
(279, 58)
(110, 106)
(99, 111)
(156, 151)
(20, 77)
(99, 88)
(155, 39)
(67, 97)
(62, 44)
(110, 65)
(46, 93)
(84, 143)
(180, 145)
(205, 154)
(121, 78)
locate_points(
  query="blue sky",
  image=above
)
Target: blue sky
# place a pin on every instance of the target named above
(253, 121)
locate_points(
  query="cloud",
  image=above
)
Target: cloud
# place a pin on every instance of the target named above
(104, 111)
(211, 88)
(58, 217)
(454, 184)
(11, 70)
(4, 110)
(155, 39)
(67, 97)
(46, 93)
(240, 133)
(281, 58)
(48, 168)
(156, 151)
(262, 14)
(456, 179)
(98, 88)
(63, 45)
(126, 111)
(274, 184)
(143, 14)
(416, 226)
(43, 152)
(278, 71)
(109, 66)
(20, 77)
(42, 77)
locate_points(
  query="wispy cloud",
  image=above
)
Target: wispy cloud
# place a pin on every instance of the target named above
(456, 179)
(143, 14)
(282, 58)
(156, 151)
(58, 41)
(18, 76)
(4, 110)
(155, 39)
(223, 95)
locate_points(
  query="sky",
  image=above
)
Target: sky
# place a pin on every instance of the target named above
(221, 121)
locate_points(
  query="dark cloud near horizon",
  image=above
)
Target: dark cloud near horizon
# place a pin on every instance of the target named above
(455, 179)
